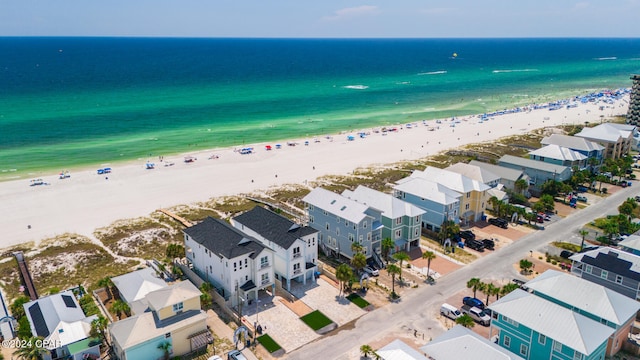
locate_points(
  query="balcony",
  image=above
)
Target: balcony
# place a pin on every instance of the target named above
(297, 272)
(297, 255)
(265, 281)
(264, 265)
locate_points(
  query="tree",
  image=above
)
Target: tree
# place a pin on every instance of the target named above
(508, 288)
(530, 217)
(520, 185)
(525, 266)
(401, 256)
(448, 229)
(106, 283)
(583, 233)
(489, 290)
(99, 328)
(165, 347)
(475, 284)
(466, 321)
(496, 205)
(611, 227)
(393, 270)
(17, 308)
(548, 202)
(120, 307)
(627, 207)
(343, 274)
(387, 244)
(359, 261)
(366, 350)
(356, 247)
(429, 255)
(538, 207)
(175, 251)
(31, 349)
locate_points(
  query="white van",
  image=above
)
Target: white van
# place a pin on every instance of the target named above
(450, 311)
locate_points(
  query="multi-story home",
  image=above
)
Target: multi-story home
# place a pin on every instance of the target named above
(555, 154)
(438, 201)
(617, 139)
(591, 300)
(60, 321)
(474, 193)
(462, 343)
(631, 244)
(508, 176)
(538, 329)
(342, 222)
(537, 171)
(134, 286)
(295, 251)
(592, 150)
(172, 323)
(401, 220)
(232, 261)
(612, 268)
(476, 172)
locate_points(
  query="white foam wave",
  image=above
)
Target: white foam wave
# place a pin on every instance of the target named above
(513, 70)
(356, 87)
(433, 72)
(607, 58)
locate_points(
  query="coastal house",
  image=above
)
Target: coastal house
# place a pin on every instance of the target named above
(612, 268)
(462, 343)
(536, 328)
(537, 171)
(401, 220)
(295, 250)
(399, 350)
(439, 203)
(134, 286)
(617, 139)
(341, 222)
(592, 150)
(591, 300)
(60, 321)
(474, 193)
(559, 155)
(7, 322)
(631, 244)
(508, 176)
(172, 319)
(475, 172)
(232, 261)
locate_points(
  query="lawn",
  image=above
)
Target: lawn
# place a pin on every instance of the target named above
(316, 320)
(269, 343)
(356, 299)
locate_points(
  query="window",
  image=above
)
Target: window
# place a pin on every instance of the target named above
(368, 236)
(494, 315)
(296, 252)
(468, 195)
(416, 232)
(346, 223)
(524, 349)
(577, 355)
(466, 206)
(506, 341)
(311, 219)
(604, 274)
(311, 208)
(325, 213)
(399, 221)
(264, 261)
(178, 307)
(338, 219)
(588, 269)
(296, 269)
(327, 227)
(364, 224)
(509, 321)
(398, 234)
(235, 266)
(338, 231)
(360, 239)
(351, 237)
(167, 335)
(618, 279)
(542, 339)
(557, 346)
(417, 220)
(264, 278)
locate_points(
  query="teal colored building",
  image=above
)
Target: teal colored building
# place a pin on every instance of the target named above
(538, 329)
(401, 220)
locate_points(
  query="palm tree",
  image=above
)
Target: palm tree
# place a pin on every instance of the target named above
(583, 233)
(387, 244)
(356, 247)
(466, 321)
(489, 290)
(120, 307)
(525, 266)
(401, 257)
(343, 274)
(359, 261)
(475, 284)
(520, 185)
(366, 350)
(32, 349)
(165, 346)
(495, 205)
(393, 270)
(429, 255)
(106, 283)
(16, 307)
(99, 329)
(508, 288)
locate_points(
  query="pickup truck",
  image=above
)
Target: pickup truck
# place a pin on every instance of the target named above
(476, 314)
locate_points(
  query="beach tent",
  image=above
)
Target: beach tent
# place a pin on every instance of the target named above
(350, 138)
(150, 165)
(268, 147)
(278, 146)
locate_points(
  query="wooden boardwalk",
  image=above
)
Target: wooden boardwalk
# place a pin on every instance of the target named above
(176, 217)
(26, 275)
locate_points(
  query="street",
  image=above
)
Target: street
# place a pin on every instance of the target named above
(414, 308)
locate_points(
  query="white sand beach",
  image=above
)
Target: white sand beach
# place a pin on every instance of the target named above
(87, 201)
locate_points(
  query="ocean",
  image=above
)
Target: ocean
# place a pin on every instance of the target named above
(67, 103)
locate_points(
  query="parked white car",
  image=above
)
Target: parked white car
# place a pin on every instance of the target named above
(371, 271)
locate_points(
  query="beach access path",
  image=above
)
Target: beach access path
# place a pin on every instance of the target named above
(88, 201)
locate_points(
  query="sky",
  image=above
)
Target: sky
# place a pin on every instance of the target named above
(321, 18)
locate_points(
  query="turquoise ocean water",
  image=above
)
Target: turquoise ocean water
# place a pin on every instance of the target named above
(72, 102)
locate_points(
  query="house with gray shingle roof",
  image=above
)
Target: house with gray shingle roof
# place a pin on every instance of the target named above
(536, 328)
(591, 300)
(401, 220)
(236, 264)
(295, 250)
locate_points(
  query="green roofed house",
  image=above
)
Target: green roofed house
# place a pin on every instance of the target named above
(460, 343)
(538, 329)
(591, 300)
(401, 220)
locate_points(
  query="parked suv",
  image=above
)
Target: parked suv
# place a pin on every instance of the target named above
(235, 355)
(467, 235)
(488, 244)
(499, 222)
(476, 245)
(473, 302)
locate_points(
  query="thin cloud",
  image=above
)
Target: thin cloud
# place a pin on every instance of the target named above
(352, 12)
(437, 11)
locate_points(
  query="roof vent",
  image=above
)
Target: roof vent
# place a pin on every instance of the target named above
(60, 331)
(342, 208)
(333, 202)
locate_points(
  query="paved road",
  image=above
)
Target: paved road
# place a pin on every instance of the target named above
(411, 312)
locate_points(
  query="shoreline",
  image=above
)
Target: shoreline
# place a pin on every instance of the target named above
(87, 201)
